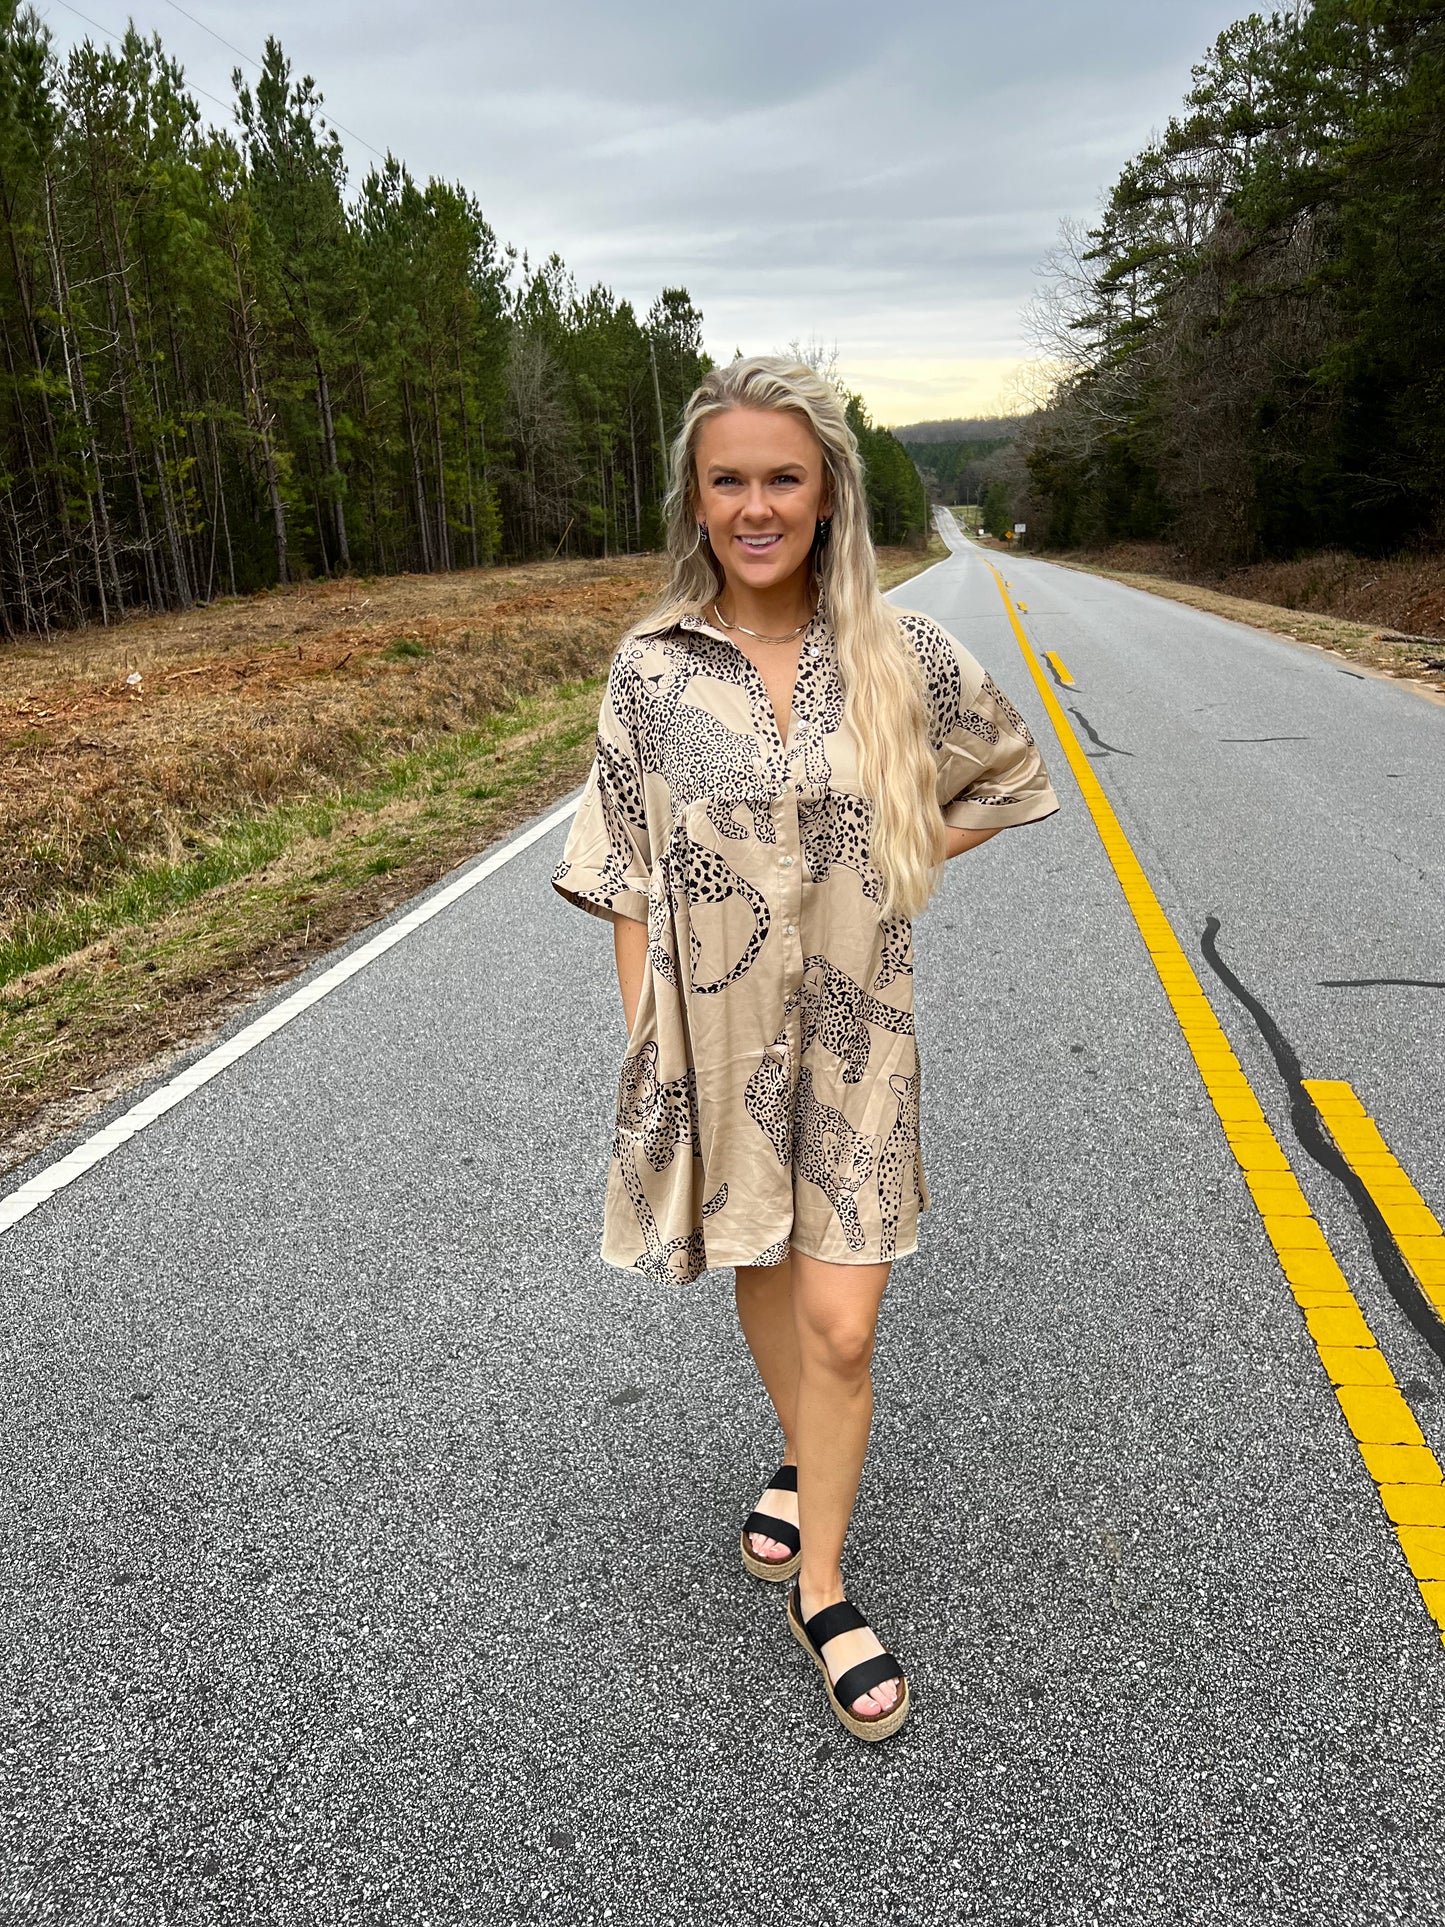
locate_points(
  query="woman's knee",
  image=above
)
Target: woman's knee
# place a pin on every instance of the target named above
(840, 1343)
(835, 1308)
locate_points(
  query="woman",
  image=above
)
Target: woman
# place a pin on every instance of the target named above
(783, 763)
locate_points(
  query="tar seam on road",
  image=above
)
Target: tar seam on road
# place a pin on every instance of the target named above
(1315, 1143)
(37, 1190)
(1413, 1225)
(1417, 1511)
(1405, 1473)
(1110, 749)
(1368, 983)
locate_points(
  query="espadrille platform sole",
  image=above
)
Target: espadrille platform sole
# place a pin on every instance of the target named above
(785, 1479)
(860, 1679)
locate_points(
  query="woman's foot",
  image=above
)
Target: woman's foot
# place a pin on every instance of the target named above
(849, 1649)
(779, 1502)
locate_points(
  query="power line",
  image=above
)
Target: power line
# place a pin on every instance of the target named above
(111, 35)
(215, 36)
(226, 105)
(198, 22)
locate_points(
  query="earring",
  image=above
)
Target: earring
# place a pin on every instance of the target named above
(824, 530)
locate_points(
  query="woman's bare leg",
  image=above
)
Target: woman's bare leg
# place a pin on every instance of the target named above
(765, 1312)
(835, 1311)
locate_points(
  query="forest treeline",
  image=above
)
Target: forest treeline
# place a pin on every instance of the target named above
(958, 460)
(897, 498)
(1253, 335)
(219, 373)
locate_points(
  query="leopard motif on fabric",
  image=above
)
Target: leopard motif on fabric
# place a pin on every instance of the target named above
(899, 1157)
(834, 1156)
(838, 1013)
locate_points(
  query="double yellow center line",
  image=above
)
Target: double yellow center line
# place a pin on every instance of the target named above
(1406, 1473)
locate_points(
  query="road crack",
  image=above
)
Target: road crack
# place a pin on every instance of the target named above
(1317, 1144)
(1110, 749)
(1368, 983)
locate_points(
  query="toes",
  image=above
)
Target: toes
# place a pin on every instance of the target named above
(881, 1700)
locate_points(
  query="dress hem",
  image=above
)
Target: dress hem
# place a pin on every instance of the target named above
(730, 1264)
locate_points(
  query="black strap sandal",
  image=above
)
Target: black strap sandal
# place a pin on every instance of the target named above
(785, 1479)
(813, 1635)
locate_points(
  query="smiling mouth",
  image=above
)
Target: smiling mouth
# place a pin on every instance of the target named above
(759, 544)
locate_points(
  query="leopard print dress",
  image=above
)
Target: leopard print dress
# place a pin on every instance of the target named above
(769, 1093)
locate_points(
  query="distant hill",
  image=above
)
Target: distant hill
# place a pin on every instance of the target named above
(958, 460)
(990, 428)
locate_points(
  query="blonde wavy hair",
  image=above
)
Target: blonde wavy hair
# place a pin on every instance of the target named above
(884, 697)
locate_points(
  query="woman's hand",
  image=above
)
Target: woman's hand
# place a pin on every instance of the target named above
(629, 940)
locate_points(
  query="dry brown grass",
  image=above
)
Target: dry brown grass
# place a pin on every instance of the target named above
(85, 1029)
(123, 745)
(1403, 594)
(897, 565)
(127, 745)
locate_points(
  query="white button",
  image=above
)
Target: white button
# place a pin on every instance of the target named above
(792, 930)
(785, 861)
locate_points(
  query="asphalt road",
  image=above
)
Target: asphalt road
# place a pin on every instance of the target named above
(370, 1546)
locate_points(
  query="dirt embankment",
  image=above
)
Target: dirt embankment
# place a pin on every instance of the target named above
(193, 806)
(1404, 595)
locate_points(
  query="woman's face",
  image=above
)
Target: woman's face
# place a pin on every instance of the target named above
(761, 486)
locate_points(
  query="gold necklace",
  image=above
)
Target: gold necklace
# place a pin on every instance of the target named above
(757, 635)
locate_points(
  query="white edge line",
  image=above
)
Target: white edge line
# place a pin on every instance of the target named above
(908, 581)
(35, 1191)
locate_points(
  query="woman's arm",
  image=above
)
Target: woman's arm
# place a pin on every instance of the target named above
(961, 840)
(629, 940)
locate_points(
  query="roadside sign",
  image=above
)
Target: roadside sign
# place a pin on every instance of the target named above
(1021, 528)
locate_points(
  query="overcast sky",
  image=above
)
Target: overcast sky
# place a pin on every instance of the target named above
(881, 176)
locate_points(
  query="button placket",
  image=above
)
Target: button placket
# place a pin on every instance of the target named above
(790, 892)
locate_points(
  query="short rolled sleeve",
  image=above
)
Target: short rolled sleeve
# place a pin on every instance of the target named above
(606, 865)
(991, 775)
